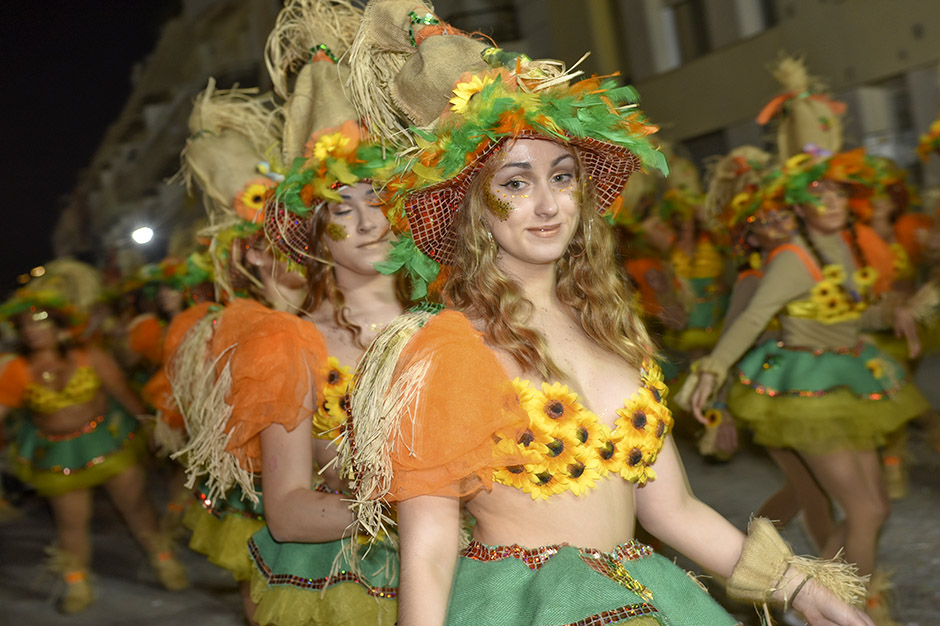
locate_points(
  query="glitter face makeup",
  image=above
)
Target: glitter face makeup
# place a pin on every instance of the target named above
(497, 206)
(336, 232)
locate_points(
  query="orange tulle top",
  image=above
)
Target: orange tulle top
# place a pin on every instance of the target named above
(471, 426)
(274, 357)
(907, 230)
(464, 403)
(145, 337)
(878, 254)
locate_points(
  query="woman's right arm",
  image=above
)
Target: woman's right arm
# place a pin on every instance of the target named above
(293, 511)
(429, 531)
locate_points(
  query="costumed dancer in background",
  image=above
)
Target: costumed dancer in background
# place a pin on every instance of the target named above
(887, 211)
(326, 216)
(821, 390)
(226, 366)
(80, 431)
(758, 230)
(514, 167)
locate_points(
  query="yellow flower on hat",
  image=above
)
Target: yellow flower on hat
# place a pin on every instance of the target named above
(249, 202)
(330, 145)
(466, 90)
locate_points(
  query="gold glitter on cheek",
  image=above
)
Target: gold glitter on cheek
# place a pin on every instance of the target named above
(336, 232)
(498, 207)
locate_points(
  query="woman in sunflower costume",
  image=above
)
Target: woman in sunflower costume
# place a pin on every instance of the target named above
(757, 230)
(80, 431)
(820, 390)
(325, 216)
(509, 403)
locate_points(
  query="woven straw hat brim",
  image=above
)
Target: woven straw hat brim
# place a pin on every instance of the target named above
(432, 211)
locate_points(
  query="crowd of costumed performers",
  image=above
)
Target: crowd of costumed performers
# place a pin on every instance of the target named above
(416, 366)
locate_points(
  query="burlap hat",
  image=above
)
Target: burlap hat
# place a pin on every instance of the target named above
(323, 142)
(804, 115)
(462, 98)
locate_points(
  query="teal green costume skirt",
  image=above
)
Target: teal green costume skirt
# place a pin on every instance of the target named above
(564, 585)
(292, 583)
(221, 530)
(819, 401)
(90, 456)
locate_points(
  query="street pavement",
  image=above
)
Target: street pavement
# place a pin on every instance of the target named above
(129, 596)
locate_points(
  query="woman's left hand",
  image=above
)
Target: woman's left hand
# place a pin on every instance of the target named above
(821, 607)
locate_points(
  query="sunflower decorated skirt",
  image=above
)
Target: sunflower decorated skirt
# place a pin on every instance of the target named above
(221, 530)
(56, 464)
(819, 401)
(307, 584)
(564, 585)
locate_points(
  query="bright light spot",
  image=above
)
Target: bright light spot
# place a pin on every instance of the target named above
(40, 316)
(36, 272)
(142, 235)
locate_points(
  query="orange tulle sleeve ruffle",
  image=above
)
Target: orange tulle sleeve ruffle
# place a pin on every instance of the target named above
(465, 404)
(878, 254)
(15, 377)
(145, 337)
(907, 231)
(276, 363)
(157, 392)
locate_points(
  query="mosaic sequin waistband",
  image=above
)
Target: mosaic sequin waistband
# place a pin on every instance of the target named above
(535, 558)
(90, 427)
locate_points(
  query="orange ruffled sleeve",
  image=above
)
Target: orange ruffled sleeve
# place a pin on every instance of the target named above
(465, 403)
(157, 392)
(277, 359)
(878, 254)
(145, 337)
(906, 231)
(14, 379)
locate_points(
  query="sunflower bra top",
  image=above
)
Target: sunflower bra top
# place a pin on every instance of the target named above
(81, 388)
(334, 400)
(567, 447)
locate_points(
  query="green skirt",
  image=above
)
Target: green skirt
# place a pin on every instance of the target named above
(58, 464)
(312, 584)
(564, 585)
(820, 401)
(221, 530)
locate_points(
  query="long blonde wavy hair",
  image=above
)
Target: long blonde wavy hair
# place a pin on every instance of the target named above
(588, 278)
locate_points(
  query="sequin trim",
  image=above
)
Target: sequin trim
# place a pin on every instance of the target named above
(212, 507)
(67, 471)
(854, 351)
(84, 430)
(615, 615)
(315, 584)
(535, 558)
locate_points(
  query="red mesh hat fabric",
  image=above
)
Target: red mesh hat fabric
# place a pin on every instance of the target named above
(432, 210)
(287, 232)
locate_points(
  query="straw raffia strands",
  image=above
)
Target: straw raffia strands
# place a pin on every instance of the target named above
(301, 25)
(767, 564)
(201, 396)
(729, 175)
(167, 439)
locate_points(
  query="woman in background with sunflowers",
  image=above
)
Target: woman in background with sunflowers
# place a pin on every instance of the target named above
(821, 390)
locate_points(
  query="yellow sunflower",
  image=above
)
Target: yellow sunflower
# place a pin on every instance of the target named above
(865, 277)
(610, 453)
(834, 273)
(712, 418)
(823, 291)
(249, 201)
(463, 92)
(582, 473)
(333, 145)
(833, 308)
(639, 414)
(652, 377)
(546, 484)
(559, 409)
(876, 366)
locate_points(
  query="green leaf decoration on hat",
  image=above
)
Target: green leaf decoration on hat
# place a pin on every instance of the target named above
(420, 268)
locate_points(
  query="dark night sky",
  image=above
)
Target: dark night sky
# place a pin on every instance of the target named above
(66, 75)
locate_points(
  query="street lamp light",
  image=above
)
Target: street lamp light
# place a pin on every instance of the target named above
(142, 235)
